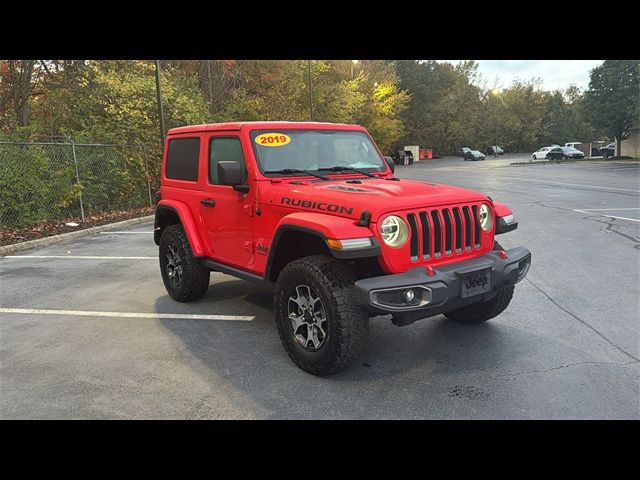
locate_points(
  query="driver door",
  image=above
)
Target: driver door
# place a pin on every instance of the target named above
(227, 214)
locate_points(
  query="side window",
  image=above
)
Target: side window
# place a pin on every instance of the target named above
(225, 149)
(182, 159)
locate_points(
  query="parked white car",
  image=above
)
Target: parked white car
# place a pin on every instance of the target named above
(549, 153)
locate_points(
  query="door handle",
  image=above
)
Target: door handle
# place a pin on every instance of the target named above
(208, 202)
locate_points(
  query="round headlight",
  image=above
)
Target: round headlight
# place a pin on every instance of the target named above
(394, 231)
(486, 221)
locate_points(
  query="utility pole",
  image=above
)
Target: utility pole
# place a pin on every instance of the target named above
(310, 92)
(210, 87)
(160, 109)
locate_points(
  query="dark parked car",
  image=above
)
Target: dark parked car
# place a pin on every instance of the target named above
(474, 155)
(608, 151)
(464, 152)
(403, 157)
(494, 150)
(570, 152)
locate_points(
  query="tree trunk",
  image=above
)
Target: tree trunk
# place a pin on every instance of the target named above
(618, 151)
(22, 91)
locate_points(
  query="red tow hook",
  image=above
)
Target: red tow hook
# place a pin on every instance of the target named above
(503, 254)
(430, 271)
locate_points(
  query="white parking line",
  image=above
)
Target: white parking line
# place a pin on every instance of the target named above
(84, 313)
(571, 184)
(608, 216)
(80, 257)
(607, 209)
(129, 233)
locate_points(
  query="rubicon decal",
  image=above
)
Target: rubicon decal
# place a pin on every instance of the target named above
(326, 207)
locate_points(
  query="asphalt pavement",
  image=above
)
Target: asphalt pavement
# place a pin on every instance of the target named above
(88, 331)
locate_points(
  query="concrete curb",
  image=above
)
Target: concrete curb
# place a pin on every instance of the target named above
(631, 161)
(41, 242)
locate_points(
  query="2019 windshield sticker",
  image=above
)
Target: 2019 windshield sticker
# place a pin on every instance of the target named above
(273, 139)
(326, 207)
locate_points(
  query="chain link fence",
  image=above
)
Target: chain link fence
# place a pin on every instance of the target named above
(44, 182)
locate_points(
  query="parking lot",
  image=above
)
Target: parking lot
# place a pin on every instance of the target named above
(87, 329)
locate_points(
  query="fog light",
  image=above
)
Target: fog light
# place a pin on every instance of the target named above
(401, 298)
(412, 296)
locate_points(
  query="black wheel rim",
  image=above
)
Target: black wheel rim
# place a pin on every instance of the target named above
(174, 264)
(308, 318)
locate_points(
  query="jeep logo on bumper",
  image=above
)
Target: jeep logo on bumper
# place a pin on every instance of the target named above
(476, 282)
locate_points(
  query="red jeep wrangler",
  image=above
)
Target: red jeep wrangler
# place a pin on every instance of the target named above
(315, 212)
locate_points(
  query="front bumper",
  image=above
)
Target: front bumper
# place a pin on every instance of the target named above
(442, 290)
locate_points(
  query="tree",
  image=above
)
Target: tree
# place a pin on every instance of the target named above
(17, 81)
(279, 90)
(613, 97)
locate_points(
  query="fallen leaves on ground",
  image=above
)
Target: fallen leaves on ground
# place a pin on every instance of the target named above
(8, 237)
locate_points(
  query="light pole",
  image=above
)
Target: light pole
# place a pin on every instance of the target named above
(310, 92)
(496, 93)
(159, 98)
(353, 62)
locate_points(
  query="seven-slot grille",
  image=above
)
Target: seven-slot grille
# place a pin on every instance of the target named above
(443, 231)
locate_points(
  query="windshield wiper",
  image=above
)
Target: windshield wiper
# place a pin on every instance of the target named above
(295, 170)
(341, 168)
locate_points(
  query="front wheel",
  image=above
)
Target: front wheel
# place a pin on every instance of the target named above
(319, 322)
(183, 275)
(483, 311)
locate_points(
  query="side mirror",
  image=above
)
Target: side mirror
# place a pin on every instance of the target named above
(392, 165)
(230, 173)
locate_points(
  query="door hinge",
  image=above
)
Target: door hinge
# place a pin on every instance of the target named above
(248, 246)
(248, 209)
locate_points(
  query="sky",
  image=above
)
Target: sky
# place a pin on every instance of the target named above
(555, 74)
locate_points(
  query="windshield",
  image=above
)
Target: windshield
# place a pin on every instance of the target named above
(311, 150)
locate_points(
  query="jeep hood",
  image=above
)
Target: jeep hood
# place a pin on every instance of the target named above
(378, 196)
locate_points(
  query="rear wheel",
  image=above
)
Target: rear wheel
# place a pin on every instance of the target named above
(320, 324)
(483, 311)
(183, 275)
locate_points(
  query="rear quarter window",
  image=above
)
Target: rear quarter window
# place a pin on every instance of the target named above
(182, 159)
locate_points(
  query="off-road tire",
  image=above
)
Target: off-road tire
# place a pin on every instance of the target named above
(347, 323)
(483, 311)
(195, 277)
